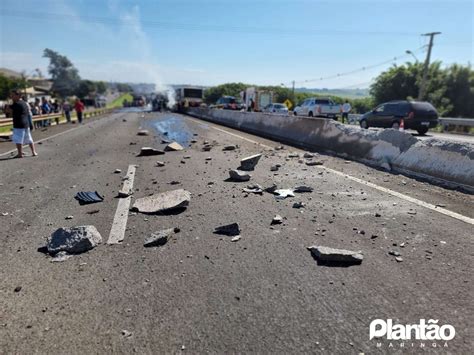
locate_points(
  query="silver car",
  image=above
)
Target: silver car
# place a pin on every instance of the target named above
(276, 108)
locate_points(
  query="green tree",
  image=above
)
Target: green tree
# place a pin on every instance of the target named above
(123, 87)
(7, 84)
(100, 87)
(85, 88)
(213, 94)
(64, 75)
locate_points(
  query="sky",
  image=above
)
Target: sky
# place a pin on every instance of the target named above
(210, 42)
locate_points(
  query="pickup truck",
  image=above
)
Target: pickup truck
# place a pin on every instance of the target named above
(318, 107)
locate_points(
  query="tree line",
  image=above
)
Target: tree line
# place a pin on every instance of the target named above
(449, 89)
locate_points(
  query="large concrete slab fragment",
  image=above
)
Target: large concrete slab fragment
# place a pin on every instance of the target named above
(332, 255)
(73, 240)
(163, 202)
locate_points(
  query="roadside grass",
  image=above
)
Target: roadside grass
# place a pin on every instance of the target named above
(118, 102)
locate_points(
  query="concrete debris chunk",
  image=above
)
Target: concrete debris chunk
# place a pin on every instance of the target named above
(162, 202)
(159, 238)
(174, 147)
(394, 253)
(231, 230)
(148, 151)
(229, 147)
(237, 175)
(271, 189)
(255, 189)
(314, 162)
(117, 171)
(60, 257)
(236, 238)
(160, 163)
(299, 204)
(283, 193)
(331, 255)
(279, 147)
(277, 219)
(274, 168)
(293, 155)
(249, 163)
(207, 148)
(303, 188)
(143, 132)
(308, 155)
(73, 240)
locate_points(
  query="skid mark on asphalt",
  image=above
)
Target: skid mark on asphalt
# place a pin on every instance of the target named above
(117, 232)
(366, 183)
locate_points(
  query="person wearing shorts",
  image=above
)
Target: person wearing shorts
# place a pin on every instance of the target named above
(21, 125)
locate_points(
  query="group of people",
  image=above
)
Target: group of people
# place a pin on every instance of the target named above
(23, 112)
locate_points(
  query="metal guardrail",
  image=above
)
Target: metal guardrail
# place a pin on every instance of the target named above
(447, 121)
(8, 121)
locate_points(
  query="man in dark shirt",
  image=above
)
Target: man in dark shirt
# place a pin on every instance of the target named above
(21, 125)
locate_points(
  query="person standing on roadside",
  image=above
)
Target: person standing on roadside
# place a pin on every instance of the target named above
(79, 107)
(21, 125)
(346, 108)
(67, 111)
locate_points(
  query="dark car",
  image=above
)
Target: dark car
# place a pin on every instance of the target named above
(417, 115)
(229, 103)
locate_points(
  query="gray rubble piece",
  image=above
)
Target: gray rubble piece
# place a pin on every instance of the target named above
(299, 204)
(143, 132)
(117, 171)
(162, 202)
(293, 155)
(127, 187)
(174, 146)
(159, 238)
(237, 175)
(271, 189)
(249, 163)
(73, 240)
(303, 188)
(308, 155)
(331, 255)
(160, 164)
(60, 257)
(283, 193)
(255, 189)
(229, 147)
(277, 219)
(231, 230)
(314, 162)
(274, 168)
(207, 148)
(236, 238)
(147, 151)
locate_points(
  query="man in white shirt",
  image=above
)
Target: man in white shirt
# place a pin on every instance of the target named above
(346, 108)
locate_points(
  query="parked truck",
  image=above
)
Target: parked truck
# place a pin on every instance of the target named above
(261, 98)
(315, 106)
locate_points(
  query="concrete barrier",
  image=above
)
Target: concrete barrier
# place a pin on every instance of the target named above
(449, 162)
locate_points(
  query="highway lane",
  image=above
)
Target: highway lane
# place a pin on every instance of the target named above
(201, 292)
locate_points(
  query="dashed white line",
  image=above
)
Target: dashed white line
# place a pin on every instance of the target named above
(366, 183)
(117, 232)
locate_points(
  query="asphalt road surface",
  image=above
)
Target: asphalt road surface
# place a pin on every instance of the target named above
(203, 293)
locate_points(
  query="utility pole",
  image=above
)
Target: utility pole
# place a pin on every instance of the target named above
(421, 94)
(293, 92)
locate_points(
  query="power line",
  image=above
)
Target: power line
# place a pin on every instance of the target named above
(64, 17)
(365, 68)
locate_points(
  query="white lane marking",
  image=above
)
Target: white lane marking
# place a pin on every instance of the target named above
(117, 232)
(366, 183)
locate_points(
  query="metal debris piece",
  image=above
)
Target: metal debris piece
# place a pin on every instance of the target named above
(232, 229)
(162, 202)
(88, 197)
(174, 147)
(249, 163)
(326, 254)
(237, 175)
(148, 151)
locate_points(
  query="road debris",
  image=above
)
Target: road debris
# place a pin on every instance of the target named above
(162, 202)
(126, 333)
(173, 147)
(299, 204)
(281, 194)
(271, 189)
(207, 148)
(394, 253)
(60, 257)
(308, 155)
(17, 289)
(232, 229)
(303, 188)
(249, 163)
(160, 164)
(229, 147)
(117, 171)
(73, 240)
(277, 219)
(314, 162)
(143, 132)
(93, 212)
(331, 255)
(149, 151)
(159, 238)
(237, 175)
(275, 167)
(236, 238)
(293, 155)
(255, 189)
(87, 197)
(69, 217)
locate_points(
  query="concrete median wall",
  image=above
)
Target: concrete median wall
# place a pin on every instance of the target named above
(433, 158)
